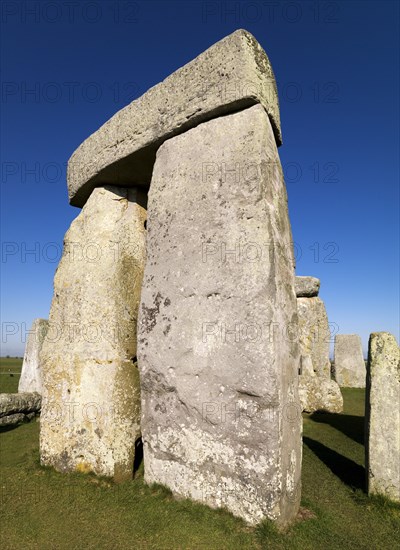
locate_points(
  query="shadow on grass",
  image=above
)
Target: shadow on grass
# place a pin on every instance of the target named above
(9, 428)
(348, 471)
(350, 425)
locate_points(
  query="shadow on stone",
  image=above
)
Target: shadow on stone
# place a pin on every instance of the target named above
(350, 425)
(348, 471)
(138, 455)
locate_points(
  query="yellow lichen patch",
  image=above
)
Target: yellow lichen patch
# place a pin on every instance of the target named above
(83, 468)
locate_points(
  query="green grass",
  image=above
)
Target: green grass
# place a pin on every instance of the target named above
(10, 370)
(42, 509)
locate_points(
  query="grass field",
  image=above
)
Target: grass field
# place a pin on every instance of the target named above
(41, 509)
(10, 370)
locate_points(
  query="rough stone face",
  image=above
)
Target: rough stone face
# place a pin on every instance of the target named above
(13, 403)
(382, 416)
(314, 334)
(234, 73)
(349, 361)
(91, 402)
(217, 355)
(31, 375)
(12, 419)
(317, 393)
(306, 287)
(306, 366)
(333, 370)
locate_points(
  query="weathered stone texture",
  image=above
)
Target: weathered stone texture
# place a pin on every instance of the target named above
(221, 420)
(382, 416)
(18, 407)
(349, 361)
(12, 419)
(11, 403)
(314, 334)
(91, 402)
(31, 374)
(318, 393)
(234, 73)
(306, 287)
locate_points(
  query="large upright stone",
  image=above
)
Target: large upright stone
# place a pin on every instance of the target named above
(232, 74)
(314, 334)
(349, 361)
(382, 416)
(91, 402)
(31, 373)
(217, 337)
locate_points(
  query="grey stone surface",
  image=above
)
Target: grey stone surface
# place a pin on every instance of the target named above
(13, 419)
(314, 334)
(221, 418)
(306, 366)
(382, 416)
(19, 403)
(232, 74)
(333, 370)
(91, 403)
(318, 393)
(306, 287)
(31, 374)
(349, 361)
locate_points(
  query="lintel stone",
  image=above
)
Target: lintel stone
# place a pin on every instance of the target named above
(233, 74)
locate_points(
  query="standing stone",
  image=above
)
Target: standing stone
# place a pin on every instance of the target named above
(382, 416)
(349, 361)
(314, 334)
(91, 402)
(31, 373)
(316, 389)
(217, 336)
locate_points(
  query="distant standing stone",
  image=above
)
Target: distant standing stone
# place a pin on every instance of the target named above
(31, 373)
(349, 361)
(314, 334)
(306, 287)
(382, 416)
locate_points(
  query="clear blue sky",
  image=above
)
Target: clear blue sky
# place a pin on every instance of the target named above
(66, 70)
